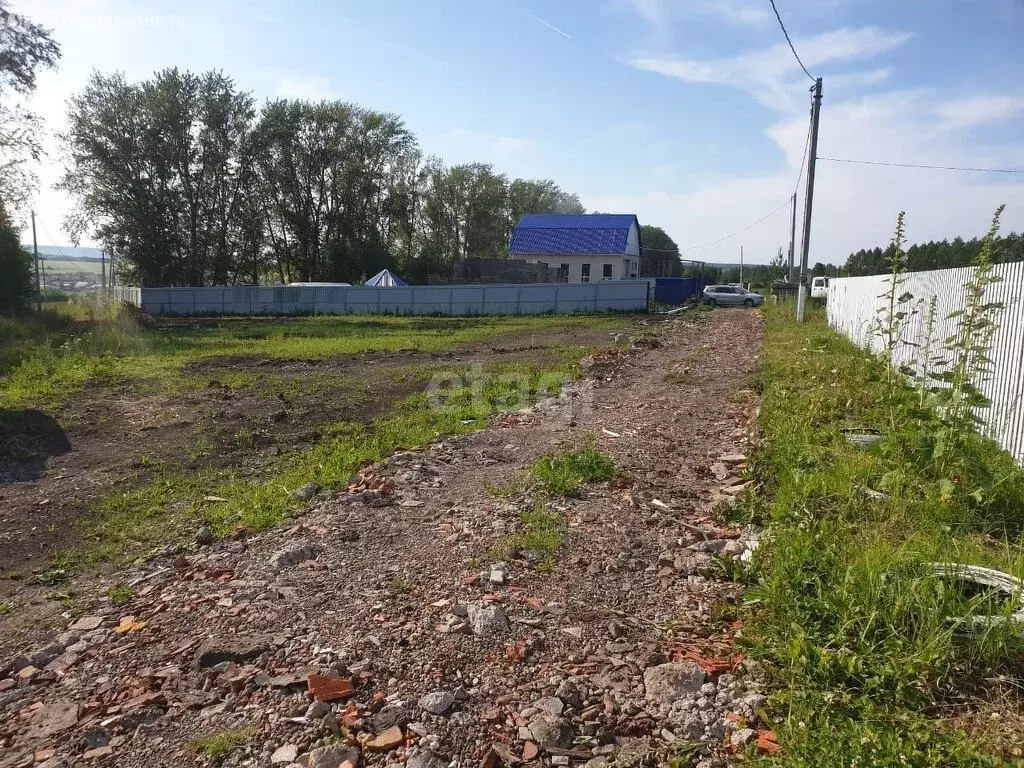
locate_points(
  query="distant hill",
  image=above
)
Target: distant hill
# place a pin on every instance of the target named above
(65, 252)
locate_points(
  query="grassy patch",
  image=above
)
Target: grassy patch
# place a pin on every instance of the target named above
(563, 474)
(45, 361)
(219, 745)
(399, 587)
(120, 594)
(542, 533)
(867, 644)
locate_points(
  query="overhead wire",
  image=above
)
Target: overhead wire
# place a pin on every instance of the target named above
(753, 224)
(793, 49)
(921, 165)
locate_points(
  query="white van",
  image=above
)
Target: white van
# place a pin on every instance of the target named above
(819, 288)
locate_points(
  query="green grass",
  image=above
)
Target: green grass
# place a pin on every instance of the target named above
(46, 361)
(855, 627)
(171, 503)
(542, 530)
(120, 594)
(563, 474)
(219, 745)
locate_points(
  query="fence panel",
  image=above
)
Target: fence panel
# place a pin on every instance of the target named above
(854, 303)
(491, 299)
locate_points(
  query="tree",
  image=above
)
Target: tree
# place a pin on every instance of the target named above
(159, 171)
(659, 254)
(25, 48)
(16, 284)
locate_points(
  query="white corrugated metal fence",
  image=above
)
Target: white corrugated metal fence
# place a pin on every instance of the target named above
(491, 299)
(853, 304)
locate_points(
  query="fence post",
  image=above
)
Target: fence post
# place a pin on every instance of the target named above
(519, 300)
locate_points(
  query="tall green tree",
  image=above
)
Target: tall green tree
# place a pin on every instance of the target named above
(25, 48)
(158, 171)
(16, 284)
(659, 255)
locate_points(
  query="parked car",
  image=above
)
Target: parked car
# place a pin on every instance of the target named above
(819, 288)
(731, 295)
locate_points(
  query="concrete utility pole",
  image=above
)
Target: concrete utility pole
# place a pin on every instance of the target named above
(801, 298)
(35, 254)
(792, 240)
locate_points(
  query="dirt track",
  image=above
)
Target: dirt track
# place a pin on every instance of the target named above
(379, 590)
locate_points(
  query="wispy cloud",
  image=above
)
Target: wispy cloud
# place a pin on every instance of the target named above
(661, 13)
(976, 110)
(299, 86)
(769, 74)
(462, 143)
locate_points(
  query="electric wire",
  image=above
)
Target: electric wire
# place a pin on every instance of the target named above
(795, 55)
(921, 165)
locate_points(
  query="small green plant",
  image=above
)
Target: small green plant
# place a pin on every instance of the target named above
(564, 474)
(6, 608)
(893, 317)
(399, 587)
(217, 746)
(542, 533)
(120, 594)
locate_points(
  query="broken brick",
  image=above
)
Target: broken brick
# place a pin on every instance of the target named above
(330, 688)
(530, 751)
(386, 741)
(91, 754)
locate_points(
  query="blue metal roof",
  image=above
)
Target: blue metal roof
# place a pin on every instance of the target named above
(597, 233)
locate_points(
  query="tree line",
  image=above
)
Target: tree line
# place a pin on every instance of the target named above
(190, 183)
(941, 254)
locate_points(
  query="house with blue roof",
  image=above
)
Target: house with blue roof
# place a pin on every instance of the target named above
(583, 247)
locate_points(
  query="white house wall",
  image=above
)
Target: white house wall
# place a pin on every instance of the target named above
(623, 268)
(633, 241)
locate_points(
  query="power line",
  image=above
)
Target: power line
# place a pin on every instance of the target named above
(918, 165)
(803, 160)
(738, 231)
(795, 55)
(61, 250)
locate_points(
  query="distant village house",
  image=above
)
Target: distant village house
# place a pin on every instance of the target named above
(583, 247)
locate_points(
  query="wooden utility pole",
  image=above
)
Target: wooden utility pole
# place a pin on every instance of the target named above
(35, 255)
(103, 270)
(741, 265)
(801, 298)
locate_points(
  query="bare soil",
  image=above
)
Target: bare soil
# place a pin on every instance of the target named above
(374, 587)
(111, 439)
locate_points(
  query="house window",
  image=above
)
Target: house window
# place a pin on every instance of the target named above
(563, 273)
(607, 272)
(585, 273)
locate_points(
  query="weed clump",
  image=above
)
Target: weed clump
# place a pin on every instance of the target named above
(565, 474)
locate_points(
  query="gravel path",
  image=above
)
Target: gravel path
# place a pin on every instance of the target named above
(382, 628)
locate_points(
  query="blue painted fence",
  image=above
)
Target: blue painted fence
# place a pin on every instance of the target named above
(677, 290)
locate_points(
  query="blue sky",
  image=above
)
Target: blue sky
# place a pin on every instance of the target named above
(690, 113)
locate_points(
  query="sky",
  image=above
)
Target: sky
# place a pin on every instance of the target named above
(693, 114)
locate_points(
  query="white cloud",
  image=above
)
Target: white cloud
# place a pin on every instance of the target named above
(661, 13)
(772, 74)
(298, 86)
(976, 110)
(462, 145)
(855, 206)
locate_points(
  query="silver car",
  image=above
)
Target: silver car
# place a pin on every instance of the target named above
(731, 295)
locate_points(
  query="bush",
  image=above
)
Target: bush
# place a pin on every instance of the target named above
(16, 289)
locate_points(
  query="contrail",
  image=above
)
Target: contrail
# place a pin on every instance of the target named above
(547, 24)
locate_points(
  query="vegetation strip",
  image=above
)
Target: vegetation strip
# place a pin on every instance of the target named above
(874, 654)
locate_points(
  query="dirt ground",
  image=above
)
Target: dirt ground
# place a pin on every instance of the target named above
(394, 612)
(110, 439)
